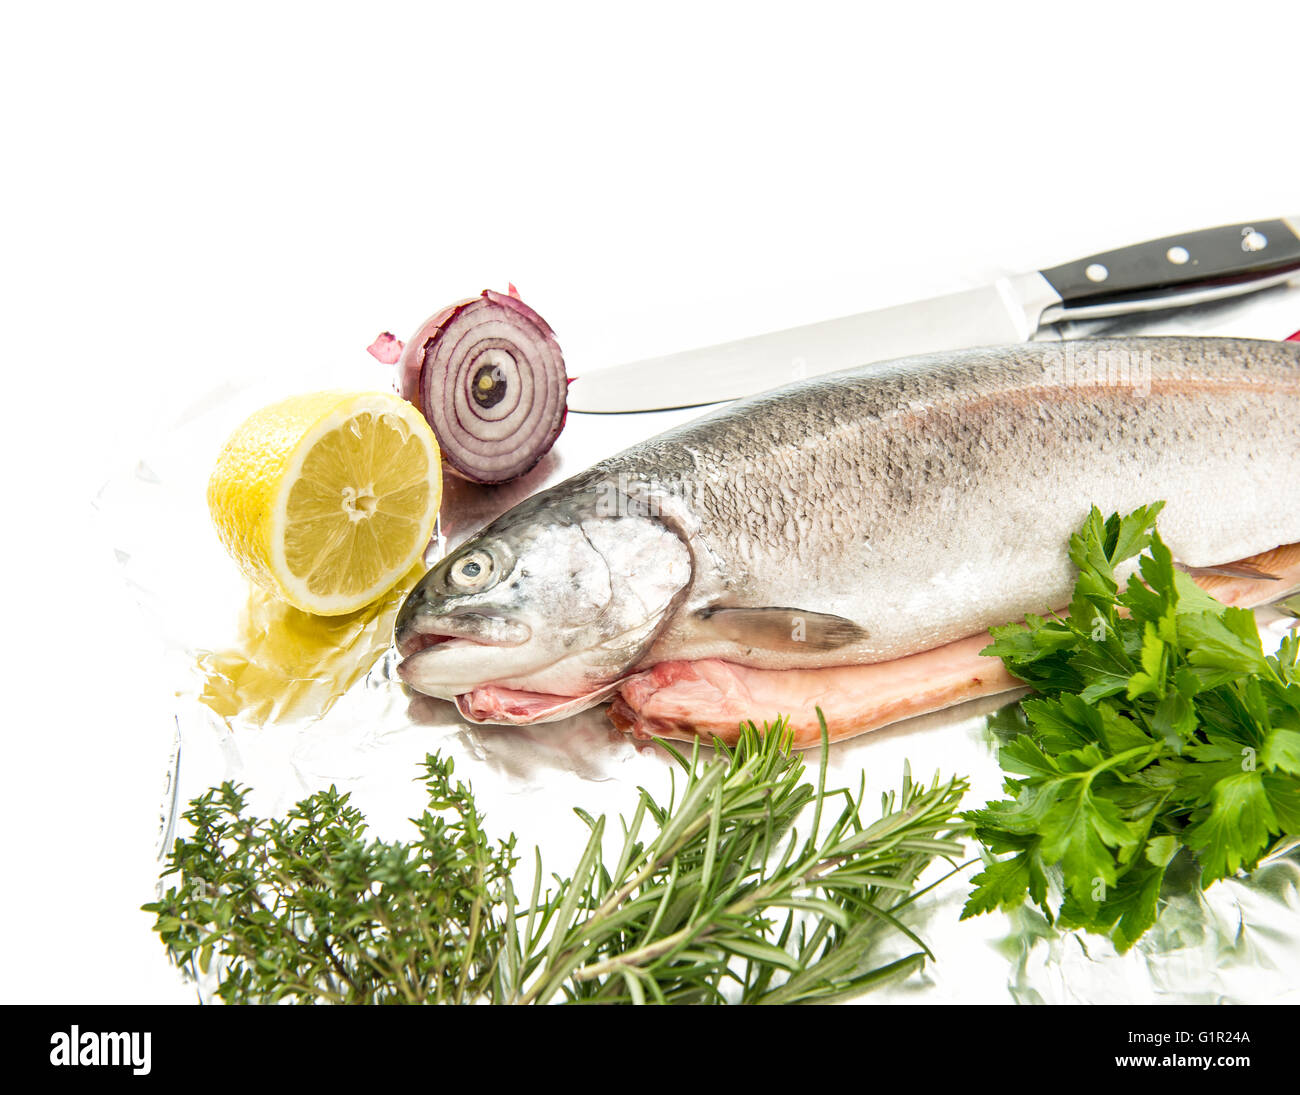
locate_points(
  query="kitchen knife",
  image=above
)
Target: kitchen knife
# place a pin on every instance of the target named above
(1194, 268)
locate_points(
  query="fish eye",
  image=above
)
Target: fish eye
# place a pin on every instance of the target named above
(472, 571)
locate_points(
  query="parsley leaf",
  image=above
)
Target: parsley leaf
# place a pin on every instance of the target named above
(1160, 727)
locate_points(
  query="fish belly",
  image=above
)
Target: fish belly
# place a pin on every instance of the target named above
(712, 697)
(929, 499)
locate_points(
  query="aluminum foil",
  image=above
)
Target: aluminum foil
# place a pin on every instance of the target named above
(287, 705)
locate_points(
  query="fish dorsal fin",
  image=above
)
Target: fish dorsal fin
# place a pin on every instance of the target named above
(781, 629)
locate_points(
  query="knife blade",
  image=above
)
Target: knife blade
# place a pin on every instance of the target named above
(1194, 268)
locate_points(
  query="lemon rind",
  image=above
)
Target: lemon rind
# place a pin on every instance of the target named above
(294, 589)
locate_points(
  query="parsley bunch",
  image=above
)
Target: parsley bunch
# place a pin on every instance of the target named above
(1160, 724)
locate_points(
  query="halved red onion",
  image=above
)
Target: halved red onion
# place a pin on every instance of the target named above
(488, 375)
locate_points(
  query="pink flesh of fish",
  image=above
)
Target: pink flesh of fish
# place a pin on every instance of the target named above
(494, 703)
(712, 697)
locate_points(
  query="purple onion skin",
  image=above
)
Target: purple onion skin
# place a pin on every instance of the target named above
(411, 362)
(488, 375)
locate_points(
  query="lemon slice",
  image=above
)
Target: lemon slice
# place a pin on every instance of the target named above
(327, 500)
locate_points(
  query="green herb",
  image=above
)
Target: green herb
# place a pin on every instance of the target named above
(308, 908)
(1159, 724)
(721, 901)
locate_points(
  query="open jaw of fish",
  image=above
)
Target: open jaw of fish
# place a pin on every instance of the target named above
(846, 542)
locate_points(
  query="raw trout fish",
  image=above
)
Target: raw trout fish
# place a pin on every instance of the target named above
(846, 541)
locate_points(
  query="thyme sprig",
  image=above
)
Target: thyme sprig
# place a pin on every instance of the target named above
(308, 908)
(722, 902)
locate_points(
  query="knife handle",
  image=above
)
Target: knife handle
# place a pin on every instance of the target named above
(1177, 270)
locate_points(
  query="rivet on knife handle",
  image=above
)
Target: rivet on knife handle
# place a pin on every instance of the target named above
(1178, 270)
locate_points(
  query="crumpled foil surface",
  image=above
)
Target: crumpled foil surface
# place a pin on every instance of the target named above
(288, 704)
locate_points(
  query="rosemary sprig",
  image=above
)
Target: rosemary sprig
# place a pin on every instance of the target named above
(723, 902)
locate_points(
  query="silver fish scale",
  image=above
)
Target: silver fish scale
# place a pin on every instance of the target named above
(930, 498)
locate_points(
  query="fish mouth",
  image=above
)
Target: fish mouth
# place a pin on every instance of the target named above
(420, 633)
(413, 643)
(414, 648)
(445, 653)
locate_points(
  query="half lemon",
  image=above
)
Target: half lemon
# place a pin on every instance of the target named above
(327, 500)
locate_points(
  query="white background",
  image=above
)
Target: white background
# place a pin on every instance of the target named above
(191, 193)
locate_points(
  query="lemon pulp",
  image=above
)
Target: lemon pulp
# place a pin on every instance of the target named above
(328, 500)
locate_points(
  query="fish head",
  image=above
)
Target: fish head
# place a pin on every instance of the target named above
(553, 598)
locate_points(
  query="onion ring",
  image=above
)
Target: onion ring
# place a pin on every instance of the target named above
(488, 375)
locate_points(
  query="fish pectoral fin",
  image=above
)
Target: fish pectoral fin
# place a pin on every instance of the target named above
(1243, 569)
(1257, 580)
(781, 629)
